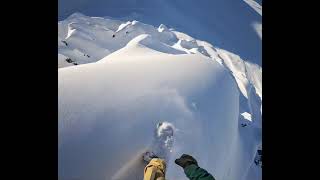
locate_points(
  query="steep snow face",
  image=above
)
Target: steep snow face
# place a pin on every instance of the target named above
(246, 74)
(256, 6)
(130, 77)
(108, 111)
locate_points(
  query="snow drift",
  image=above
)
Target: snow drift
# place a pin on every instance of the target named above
(226, 23)
(130, 77)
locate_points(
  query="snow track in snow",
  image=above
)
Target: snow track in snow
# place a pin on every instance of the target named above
(110, 102)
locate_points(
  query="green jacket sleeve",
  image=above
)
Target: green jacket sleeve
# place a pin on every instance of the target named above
(194, 172)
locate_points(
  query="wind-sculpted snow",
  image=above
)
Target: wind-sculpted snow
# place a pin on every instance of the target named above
(125, 77)
(88, 39)
(228, 24)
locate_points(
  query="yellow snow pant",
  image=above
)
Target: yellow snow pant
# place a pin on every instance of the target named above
(155, 170)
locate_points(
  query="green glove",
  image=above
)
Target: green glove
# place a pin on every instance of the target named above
(185, 160)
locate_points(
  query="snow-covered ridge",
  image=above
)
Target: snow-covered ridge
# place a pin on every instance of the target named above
(118, 79)
(256, 6)
(86, 39)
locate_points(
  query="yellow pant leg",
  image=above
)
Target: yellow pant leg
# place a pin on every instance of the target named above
(155, 170)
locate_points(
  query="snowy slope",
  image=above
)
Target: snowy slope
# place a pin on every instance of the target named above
(228, 24)
(110, 103)
(255, 5)
(88, 39)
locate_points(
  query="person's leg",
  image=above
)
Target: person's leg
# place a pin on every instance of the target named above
(155, 170)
